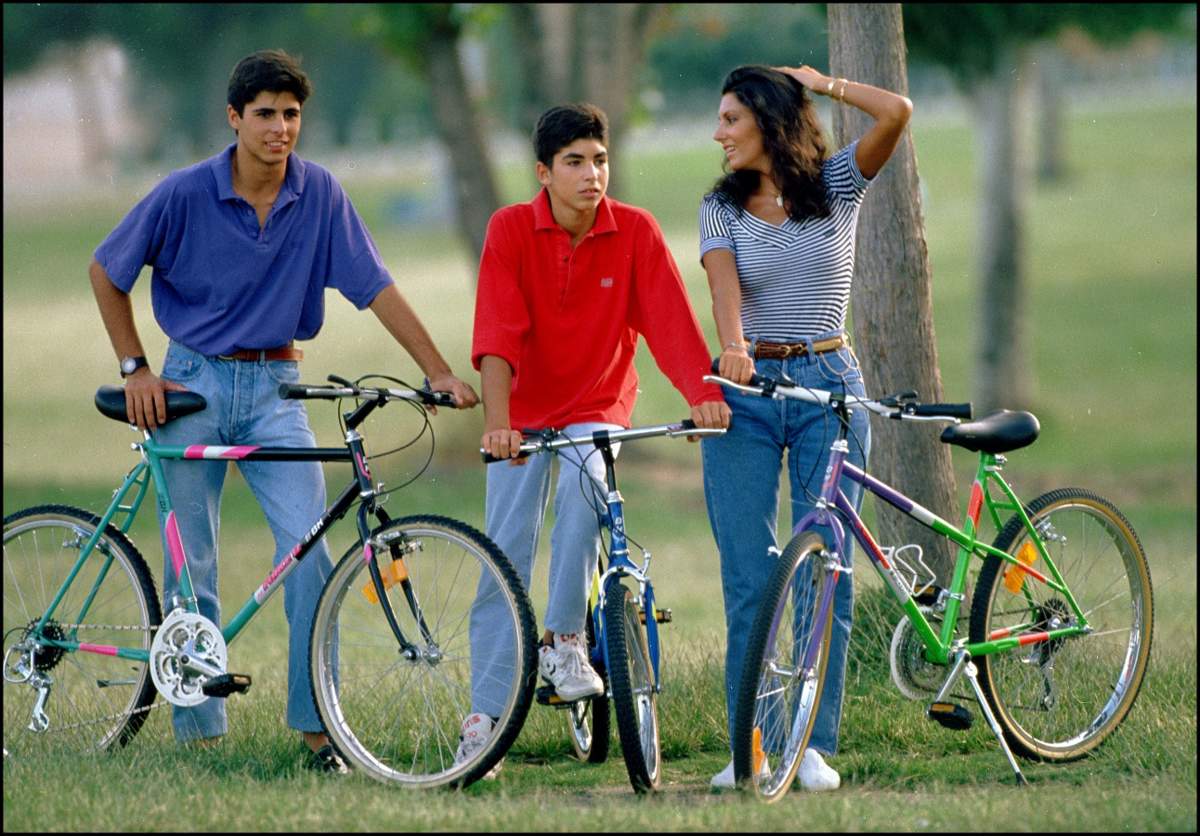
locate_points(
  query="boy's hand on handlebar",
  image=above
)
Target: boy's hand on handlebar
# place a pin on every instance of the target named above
(712, 415)
(464, 396)
(503, 444)
(736, 365)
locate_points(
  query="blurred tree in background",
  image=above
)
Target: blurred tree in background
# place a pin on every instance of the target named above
(985, 46)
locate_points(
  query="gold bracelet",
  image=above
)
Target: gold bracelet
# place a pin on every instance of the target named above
(842, 94)
(829, 87)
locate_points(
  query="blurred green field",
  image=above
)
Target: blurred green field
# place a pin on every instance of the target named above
(1112, 333)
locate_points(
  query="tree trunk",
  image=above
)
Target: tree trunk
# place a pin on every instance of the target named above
(1051, 155)
(576, 65)
(1003, 372)
(892, 294)
(475, 194)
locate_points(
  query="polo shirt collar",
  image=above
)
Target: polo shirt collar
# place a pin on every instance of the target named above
(543, 215)
(293, 179)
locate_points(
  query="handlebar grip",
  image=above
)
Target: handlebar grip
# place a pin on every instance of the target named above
(488, 458)
(946, 410)
(755, 379)
(298, 391)
(440, 399)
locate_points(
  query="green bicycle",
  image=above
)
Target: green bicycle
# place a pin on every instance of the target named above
(1060, 623)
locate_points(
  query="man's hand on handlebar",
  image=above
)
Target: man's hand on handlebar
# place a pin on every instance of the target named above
(464, 396)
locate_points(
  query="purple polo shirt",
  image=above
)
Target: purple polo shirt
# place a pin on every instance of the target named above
(220, 282)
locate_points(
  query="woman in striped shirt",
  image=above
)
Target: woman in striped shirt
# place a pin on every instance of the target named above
(777, 241)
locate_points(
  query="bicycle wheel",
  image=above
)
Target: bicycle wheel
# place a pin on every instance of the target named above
(396, 714)
(1057, 700)
(95, 700)
(632, 681)
(589, 719)
(778, 695)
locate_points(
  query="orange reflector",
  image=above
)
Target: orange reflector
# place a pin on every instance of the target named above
(758, 753)
(1014, 576)
(390, 575)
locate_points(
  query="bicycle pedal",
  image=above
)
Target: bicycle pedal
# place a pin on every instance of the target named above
(950, 715)
(662, 616)
(225, 684)
(928, 596)
(546, 695)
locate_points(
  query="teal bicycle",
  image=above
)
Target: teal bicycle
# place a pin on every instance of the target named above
(86, 647)
(1059, 626)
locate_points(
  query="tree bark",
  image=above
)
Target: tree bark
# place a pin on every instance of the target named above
(1002, 374)
(455, 116)
(892, 294)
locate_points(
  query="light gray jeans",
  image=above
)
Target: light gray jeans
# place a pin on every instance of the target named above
(514, 512)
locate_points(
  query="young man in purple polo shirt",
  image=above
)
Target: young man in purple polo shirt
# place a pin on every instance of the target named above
(243, 246)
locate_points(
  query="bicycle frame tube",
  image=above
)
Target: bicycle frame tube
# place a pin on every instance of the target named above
(151, 467)
(938, 647)
(618, 557)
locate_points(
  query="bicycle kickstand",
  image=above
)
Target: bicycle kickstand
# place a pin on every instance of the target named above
(971, 672)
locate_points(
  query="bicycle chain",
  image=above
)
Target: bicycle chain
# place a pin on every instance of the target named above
(133, 627)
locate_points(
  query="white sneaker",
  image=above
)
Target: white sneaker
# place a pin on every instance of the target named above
(475, 733)
(723, 780)
(566, 667)
(815, 775)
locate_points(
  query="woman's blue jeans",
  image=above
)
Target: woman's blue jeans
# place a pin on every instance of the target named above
(741, 488)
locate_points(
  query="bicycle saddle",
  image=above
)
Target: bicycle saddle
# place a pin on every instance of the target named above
(110, 400)
(998, 433)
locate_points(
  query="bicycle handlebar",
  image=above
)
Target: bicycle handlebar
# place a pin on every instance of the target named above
(903, 405)
(553, 440)
(301, 391)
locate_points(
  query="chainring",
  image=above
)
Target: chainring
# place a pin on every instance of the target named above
(913, 675)
(184, 634)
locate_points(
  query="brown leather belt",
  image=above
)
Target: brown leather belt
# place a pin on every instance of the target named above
(250, 355)
(781, 351)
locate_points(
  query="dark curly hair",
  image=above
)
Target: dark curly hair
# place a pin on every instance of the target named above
(792, 138)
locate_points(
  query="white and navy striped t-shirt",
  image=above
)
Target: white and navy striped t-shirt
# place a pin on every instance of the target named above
(795, 277)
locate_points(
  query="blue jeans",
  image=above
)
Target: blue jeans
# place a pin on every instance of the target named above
(244, 408)
(515, 509)
(741, 488)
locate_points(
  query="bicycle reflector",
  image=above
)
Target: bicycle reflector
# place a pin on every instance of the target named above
(1014, 576)
(759, 754)
(390, 575)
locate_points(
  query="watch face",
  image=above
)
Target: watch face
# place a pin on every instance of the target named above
(128, 365)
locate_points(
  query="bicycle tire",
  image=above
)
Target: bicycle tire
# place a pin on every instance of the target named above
(1058, 700)
(631, 678)
(404, 727)
(97, 701)
(589, 720)
(777, 706)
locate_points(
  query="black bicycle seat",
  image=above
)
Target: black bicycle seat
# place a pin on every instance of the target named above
(997, 433)
(110, 400)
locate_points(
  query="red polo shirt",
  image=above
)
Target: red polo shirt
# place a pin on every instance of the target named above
(567, 320)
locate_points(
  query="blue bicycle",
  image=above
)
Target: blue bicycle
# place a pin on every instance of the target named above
(622, 624)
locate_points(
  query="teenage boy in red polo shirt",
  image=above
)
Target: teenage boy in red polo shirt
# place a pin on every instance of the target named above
(567, 282)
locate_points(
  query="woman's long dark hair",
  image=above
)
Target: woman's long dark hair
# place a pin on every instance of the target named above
(792, 138)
